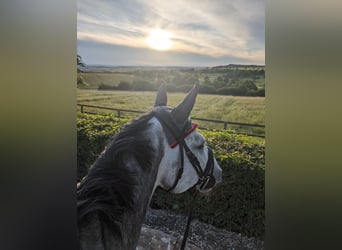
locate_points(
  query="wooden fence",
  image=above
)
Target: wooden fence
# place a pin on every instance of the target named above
(224, 123)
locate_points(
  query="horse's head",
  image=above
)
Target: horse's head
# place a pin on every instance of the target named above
(187, 160)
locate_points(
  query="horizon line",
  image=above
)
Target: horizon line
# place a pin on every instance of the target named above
(175, 66)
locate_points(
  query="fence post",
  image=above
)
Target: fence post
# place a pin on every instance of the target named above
(119, 113)
(225, 125)
(81, 108)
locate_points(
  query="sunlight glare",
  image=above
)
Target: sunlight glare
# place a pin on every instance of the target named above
(159, 39)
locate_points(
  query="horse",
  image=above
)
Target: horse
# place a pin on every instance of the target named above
(161, 148)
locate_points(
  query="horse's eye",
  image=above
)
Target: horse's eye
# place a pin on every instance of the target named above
(201, 146)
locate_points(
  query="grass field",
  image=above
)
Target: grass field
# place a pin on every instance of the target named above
(227, 108)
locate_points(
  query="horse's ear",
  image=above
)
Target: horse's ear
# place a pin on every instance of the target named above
(182, 111)
(161, 99)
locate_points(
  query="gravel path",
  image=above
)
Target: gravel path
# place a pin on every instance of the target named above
(164, 230)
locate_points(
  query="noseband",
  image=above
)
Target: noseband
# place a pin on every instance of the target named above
(206, 178)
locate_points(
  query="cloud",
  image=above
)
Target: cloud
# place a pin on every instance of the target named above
(214, 29)
(108, 54)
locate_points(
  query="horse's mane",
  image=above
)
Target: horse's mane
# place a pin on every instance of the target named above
(108, 189)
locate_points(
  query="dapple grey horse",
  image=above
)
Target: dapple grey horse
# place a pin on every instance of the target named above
(160, 149)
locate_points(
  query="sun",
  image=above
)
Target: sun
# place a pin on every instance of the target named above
(159, 39)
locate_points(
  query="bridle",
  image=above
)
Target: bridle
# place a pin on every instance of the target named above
(176, 137)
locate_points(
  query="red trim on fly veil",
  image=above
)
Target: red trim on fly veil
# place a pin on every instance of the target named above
(192, 129)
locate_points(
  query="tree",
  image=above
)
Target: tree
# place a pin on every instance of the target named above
(207, 80)
(80, 81)
(123, 85)
(219, 82)
(80, 63)
(249, 85)
(207, 89)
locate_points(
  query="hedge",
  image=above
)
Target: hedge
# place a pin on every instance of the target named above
(237, 204)
(93, 134)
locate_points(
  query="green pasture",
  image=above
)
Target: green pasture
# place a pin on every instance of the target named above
(226, 108)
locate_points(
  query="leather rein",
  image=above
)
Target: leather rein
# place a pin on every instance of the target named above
(205, 177)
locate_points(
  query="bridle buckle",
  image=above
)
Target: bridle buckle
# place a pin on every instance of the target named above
(204, 182)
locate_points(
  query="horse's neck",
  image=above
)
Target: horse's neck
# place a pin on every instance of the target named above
(132, 219)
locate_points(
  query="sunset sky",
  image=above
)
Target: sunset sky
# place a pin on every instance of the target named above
(171, 33)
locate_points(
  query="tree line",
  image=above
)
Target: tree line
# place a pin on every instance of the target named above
(236, 83)
(236, 80)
